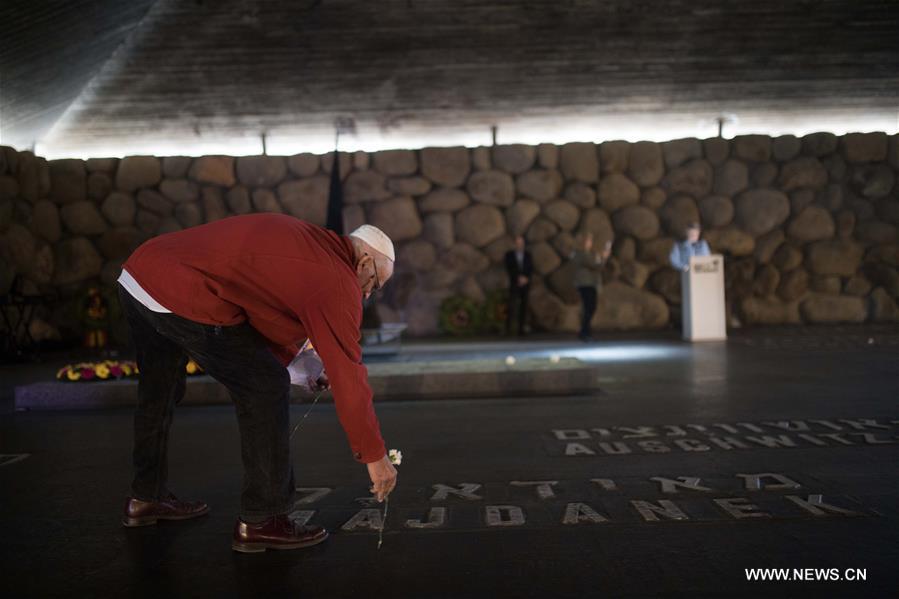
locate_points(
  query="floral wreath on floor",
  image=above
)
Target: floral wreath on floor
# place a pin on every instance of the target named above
(109, 370)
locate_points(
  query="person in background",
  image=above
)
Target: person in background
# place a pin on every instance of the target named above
(519, 265)
(689, 247)
(588, 279)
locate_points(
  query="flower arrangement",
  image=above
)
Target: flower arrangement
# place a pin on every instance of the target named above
(109, 370)
(496, 310)
(459, 315)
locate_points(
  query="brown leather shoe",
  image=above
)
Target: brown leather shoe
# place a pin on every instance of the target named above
(146, 513)
(278, 532)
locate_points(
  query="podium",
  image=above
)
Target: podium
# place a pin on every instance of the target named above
(702, 299)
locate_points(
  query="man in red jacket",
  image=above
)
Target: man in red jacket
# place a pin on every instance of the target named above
(238, 295)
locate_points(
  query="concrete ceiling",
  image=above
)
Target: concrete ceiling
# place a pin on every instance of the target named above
(198, 76)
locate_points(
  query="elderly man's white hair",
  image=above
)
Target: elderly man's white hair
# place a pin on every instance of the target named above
(376, 238)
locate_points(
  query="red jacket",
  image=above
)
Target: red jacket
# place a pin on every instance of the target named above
(291, 280)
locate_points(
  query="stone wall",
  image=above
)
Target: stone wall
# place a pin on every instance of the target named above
(809, 224)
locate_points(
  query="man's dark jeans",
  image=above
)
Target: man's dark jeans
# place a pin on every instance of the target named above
(518, 305)
(238, 358)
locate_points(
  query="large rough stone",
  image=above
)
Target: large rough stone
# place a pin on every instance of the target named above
(580, 162)
(303, 165)
(731, 178)
(803, 172)
(361, 161)
(306, 198)
(188, 214)
(76, 260)
(480, 159)
(101, 165)
(883, 276)
(29, 176)
(9, 188)
(520, 215)
(363, 186)
(581, 195)
(119, 242)
(767, 279)
(764, 174)
(873, 231)
(545, 258)
(893, 158)
(548, 156)
(18, 247)
(135, 172)
(344, 163)
(716, 211)
(561, 282)
(634, 273)
(238, 200)
(42, 267)
(409, 186)
(761, 210)
(169, 225)
(694, 178)
(787, 257)
(6, 212)
(479, 225)
(785, 147)
(645, 164)
(654, 198)
(863, 209)
(45, 221)
(417, 255)
(154, 202)
(831, 198)
(883, 307)
(261, 171)
(836, 168)
(716, 150)
(397, 217)
(678, 213)
(119, 209)
(448, 167)
(98, 185)
(68, 180)
(497, 249)
(213, 204)
(540, 185)
(617, 191)
(888, 211)
(834, 257)
(767, 311)
(542, 229)
(515, 158)
(754, 148)
(667, 283)
(464, 257)
(83, 218)
(175, 167)
(730, 240)
(492, 187)
(679, 151)
(824, 308)
(613, 156)
(564, 243)
(438, 229)
(638, 221)
(865, 147)
(819, 144)
(793, 285)
(812, 224)
(623, 307)
(444, 200)
(396, 163)
(565, 214)
(873, 181)
(353, 217)
(550, 313)
(888, 254)
(656, 251)
(596, 221)
(213, 170)
(800, 199)
(857, 285)
(265, 200)
(180, 190)
(826, 284)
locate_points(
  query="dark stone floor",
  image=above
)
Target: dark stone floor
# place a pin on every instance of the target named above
(815, 413)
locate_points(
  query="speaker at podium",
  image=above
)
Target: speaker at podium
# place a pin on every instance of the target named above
(702, 299)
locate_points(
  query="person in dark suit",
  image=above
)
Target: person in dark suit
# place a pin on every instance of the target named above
(519, 265)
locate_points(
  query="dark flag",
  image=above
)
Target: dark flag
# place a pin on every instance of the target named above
(335, 199)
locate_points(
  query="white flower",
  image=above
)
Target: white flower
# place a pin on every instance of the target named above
(395, 456)
(554, 358)
(510, 360)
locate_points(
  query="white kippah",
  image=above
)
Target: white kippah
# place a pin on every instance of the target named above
(376, 238)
